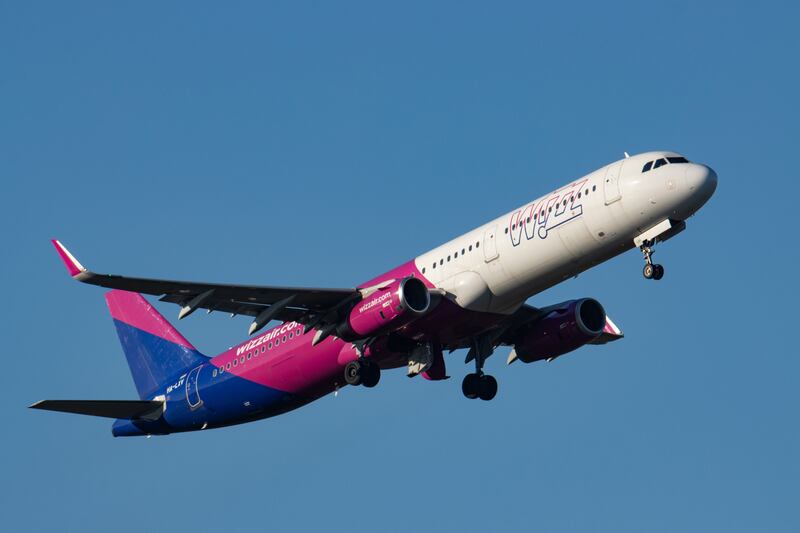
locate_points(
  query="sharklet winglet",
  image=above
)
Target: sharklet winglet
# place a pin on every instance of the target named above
(73, 265)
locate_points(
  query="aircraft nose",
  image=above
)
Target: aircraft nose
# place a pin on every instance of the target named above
(702, 181)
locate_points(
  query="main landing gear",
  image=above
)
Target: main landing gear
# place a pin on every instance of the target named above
(362, 372)
(479, 385)
(651, 270)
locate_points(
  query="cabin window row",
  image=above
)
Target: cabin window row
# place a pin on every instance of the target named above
(254, 353)
(454, 255)
(540, 214)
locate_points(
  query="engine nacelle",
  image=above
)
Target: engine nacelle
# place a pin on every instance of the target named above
(387, 309)
(571, 325)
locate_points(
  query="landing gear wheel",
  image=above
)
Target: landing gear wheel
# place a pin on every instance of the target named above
(471, 386)
(488, 388)
(370, 375)
(353, 373)
(649, 271)
(658, 272)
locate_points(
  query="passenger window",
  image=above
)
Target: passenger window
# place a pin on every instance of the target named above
(477, 245)
(263, 349)
(249, 356)
(647, 166)
(235, 362)
(528, 220)
(660, 163)
(506, 229)
(448, 258)
(291, 334)
(441, 262)
(214, 373)
(594, 188)
(241, 360)
(228, 366)
(269, 346)
(470, 247)
(455, 255)
(587, 191)
(434, 265)
(423, 270)
(463, 251)
(283, 339)
(579, 196)
(277, 342)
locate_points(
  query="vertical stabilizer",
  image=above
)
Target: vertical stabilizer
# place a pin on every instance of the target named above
(156, 351)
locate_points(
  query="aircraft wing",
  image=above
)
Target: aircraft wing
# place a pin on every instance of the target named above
(263, 302)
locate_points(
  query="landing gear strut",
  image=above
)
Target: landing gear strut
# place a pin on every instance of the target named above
(651, 270)
(479, 385)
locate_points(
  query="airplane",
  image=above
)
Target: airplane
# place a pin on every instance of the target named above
(469, 293)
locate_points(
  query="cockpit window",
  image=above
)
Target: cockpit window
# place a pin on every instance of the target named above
(677, 160)
(647, 166)
(659, 163)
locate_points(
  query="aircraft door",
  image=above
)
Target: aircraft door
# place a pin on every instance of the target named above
(490, 244)
(192, 390)
(611, 184)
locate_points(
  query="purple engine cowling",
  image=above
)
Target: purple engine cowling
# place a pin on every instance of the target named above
(568, 327)
(387, 309)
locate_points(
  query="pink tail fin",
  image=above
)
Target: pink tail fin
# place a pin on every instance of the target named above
(132, 309)
(157, 353)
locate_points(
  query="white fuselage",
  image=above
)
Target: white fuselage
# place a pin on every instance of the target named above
(497, 266)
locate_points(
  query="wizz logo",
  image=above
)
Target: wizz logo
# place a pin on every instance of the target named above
(538, 218)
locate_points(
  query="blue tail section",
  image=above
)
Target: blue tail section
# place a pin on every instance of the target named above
(157, 353)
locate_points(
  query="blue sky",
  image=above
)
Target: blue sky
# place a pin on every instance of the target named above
(323, 143)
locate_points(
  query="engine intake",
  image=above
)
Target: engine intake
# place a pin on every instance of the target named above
(568, 327)
(387, 309)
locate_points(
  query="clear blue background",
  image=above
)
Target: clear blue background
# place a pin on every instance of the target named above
(323, 143)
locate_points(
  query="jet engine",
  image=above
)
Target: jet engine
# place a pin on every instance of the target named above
(387, 309)
(567, 327)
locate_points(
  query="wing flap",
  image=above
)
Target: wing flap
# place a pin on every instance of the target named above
(128, 409)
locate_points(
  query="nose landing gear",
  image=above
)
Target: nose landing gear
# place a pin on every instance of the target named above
(651, 270)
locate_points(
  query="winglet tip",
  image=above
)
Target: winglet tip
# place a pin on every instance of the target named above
(73, 265)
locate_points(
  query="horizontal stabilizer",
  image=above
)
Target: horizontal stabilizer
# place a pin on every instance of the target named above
(129, 409)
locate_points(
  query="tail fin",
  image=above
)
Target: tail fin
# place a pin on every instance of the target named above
(156, 352)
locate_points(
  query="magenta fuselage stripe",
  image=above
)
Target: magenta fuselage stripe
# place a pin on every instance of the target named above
(294, 366)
